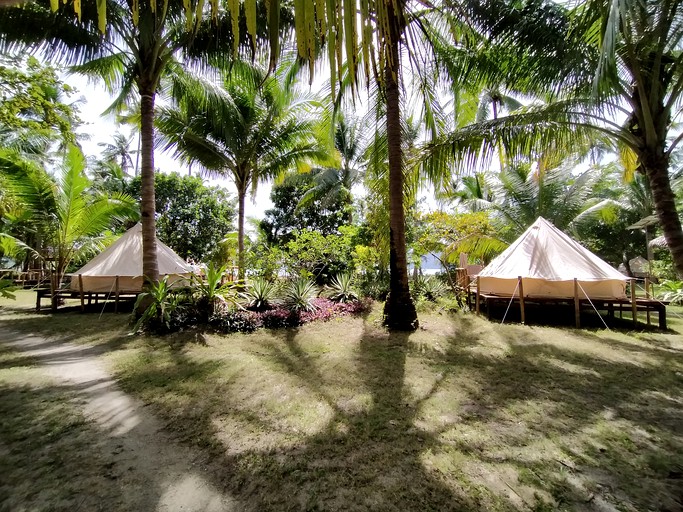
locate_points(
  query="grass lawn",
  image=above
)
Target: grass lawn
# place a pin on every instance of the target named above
(464, 414)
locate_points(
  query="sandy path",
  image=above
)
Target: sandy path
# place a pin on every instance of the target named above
(154, 472)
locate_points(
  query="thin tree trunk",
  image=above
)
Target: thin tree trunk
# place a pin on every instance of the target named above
(150, 265)
(399, 310)
(241, 193)
(657, 171)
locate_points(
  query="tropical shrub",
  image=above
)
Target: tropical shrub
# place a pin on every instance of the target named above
(671, 291)
(163, 304)
(260, 294)
(6, 289)
(299, 293)
(342, 288)
(374, 285)
(429, 287)
(211, 294)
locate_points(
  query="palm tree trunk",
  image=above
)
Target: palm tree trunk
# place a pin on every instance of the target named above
(657, 171)
(399, 310)
(150, 265)
(242, 194)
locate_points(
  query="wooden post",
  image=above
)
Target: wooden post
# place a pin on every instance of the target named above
(80, 289)
(577, 305)
(634, 305)
(116, 301)
(647, 296)
(477, 301)
(521, 298)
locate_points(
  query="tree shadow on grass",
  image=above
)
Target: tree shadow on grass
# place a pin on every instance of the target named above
(53, 459)
(592, 420)
(366, 456)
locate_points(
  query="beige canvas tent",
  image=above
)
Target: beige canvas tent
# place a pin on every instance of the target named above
(548, 262)
(123, 258)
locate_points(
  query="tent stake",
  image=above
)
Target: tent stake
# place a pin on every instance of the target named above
(80, 289)
(634, 305)
(577, 306)
(477, 302)
(521, 298)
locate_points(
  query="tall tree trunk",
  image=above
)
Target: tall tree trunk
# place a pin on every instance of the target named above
(657, 170)
(241, 196)
(150, 265)
(399, 310)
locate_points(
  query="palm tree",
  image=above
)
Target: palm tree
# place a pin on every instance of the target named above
(67, 213)
(119, 151)
(253, 128)
(138, 46)
(621, 59)
(333, 183)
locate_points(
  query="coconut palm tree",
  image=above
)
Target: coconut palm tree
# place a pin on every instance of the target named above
(251, 129)
(66, 213)
(621, 61)
(119, 151)
(130, 53)
(333, 183)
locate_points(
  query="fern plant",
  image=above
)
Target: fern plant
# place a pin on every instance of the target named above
(260, 295)
(342, 289)
(299, 295)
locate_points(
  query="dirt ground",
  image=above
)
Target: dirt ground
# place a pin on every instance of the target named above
(151, 471)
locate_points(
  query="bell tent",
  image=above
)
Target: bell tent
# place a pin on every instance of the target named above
(548, 261)
(122, 260)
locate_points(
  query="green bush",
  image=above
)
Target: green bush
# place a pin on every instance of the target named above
(299, 294)
(163, 304)
(342, 288)
(260, 294)
(210, 294)
(671, 291)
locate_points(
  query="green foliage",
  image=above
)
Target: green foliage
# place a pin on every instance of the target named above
(261, 294)
(320, 256)
(6, 289)
(375, 285)
(61, 215)
(430, 288)
(671, 291)
(211, 294)
(299, 293)
(287, 217)
(342, 288)
(192, 218)
(162, 304)
(33, 104)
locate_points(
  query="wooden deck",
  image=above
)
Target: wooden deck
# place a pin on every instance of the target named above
(489, 303)
(42, 293)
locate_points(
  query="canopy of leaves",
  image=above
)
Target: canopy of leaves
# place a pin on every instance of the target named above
(33, 108)
(288, 216)
(192, 218)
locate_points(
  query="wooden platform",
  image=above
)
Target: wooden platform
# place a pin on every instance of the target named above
(42, 293)
(488, 303)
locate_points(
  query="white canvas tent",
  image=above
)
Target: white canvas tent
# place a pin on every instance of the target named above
(548, 261)
(123, 259)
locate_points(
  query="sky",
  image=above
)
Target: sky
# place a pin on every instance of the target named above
(102, 129)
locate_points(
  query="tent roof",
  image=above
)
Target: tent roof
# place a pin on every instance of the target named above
(124, 258)
(545, 252)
